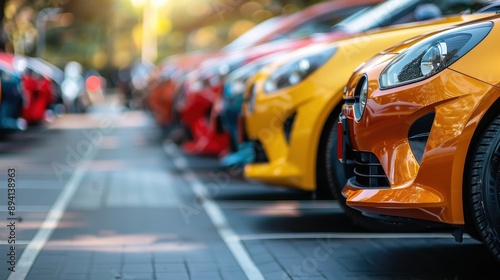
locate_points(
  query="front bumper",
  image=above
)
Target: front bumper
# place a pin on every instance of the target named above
(199, 117)
(160, 98)
(229, 114)
(285, 123)
(422, 182)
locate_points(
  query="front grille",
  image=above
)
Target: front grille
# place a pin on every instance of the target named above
(251, 98)
(242, 131)
(260, 154)
(208, 114)
(181, 96)
(368, 171)
(219, 126)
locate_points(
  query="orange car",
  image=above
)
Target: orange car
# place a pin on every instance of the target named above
(421, 132)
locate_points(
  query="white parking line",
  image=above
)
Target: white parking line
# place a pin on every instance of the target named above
(346, 235)
(216, 216)
(281, 205)
(52, 219)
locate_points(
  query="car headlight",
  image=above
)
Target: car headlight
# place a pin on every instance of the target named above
(213, 80)
(297, 70)
(431, 55)
(361, 95)
(193, 82)
(235, 83)
(195, 86)
(20, 63)
(252, 98)
(228, 66)
(214, 74)
(224, 69)
(234, 88)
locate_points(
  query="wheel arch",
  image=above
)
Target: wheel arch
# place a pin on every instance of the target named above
(486, 119)
(328, 115)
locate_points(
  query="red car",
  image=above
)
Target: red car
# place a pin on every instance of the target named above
(166, 80)
(39, 90)
(163, 84)
(39, 97)
(203, 87)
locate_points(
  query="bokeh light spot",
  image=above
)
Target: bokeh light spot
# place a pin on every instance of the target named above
(10, 11)
(93, 83)
(137, 35)
(249, 8)
(164, 26)
(262, 15)
(204, 37)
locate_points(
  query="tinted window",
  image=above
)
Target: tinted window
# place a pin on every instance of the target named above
(320, 24)
(392, 12)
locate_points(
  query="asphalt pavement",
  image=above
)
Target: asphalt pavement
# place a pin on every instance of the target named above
(105, 195)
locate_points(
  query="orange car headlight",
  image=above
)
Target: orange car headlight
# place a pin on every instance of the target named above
(433, 54)
(361, 96)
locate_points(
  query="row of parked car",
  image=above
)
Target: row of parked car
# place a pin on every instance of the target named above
(34, 91)
(390, 107)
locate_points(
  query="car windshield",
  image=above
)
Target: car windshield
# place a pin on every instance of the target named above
(492, 8)
(294, 26)
(376, 16)
(404, 11)
(324, 23)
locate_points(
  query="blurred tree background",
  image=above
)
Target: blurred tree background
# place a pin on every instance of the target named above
(108, 34)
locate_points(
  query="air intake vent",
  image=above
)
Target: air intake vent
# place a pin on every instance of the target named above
(369, 172)
(288, 125)
(419, 133)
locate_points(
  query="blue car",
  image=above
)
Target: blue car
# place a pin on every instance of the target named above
(232, 100)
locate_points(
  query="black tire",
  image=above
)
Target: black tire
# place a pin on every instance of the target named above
(323, 191)
(484, 187)
(337, 174)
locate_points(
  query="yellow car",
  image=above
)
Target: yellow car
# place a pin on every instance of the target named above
(425, 117)
(292, 107)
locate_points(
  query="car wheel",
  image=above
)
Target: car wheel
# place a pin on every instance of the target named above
(323, 190)
(337, 174)
(484, 194)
